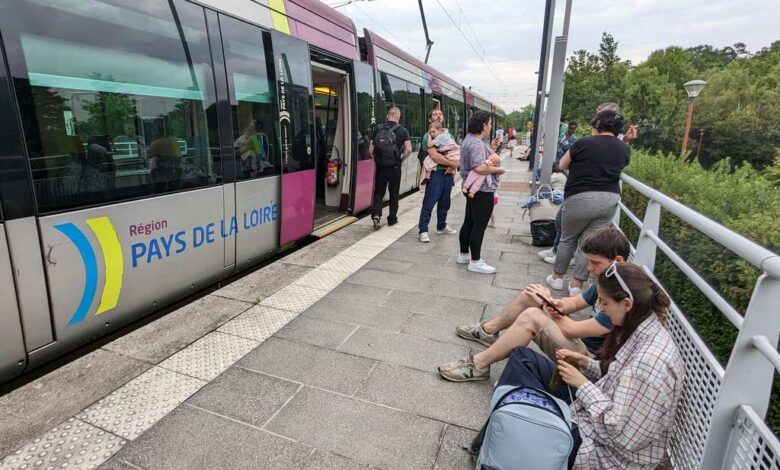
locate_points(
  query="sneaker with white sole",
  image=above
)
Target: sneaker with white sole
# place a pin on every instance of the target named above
(553, 258)
(463, 370)
(546, 253)
(446, 231)
(476, 333)
(463, 259)
(377, 222)
(555, 284)
(574, 290)
(481, 267)
(424, 237)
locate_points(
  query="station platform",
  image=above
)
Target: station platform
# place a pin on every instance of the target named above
(325, 359)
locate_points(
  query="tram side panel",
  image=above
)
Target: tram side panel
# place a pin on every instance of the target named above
(12, 354)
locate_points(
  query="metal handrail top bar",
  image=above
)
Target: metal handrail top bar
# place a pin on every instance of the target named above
(747, 249)
(761, 343)
(730, 312)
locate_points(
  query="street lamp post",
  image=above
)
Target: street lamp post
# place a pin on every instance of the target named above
(693, 88)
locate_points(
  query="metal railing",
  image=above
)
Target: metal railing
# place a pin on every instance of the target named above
(719, 424)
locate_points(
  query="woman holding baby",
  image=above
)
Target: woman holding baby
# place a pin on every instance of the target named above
(478, 162)
(438, 174)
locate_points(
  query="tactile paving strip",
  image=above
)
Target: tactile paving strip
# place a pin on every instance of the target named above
(139, 404)
(73, 444)
(320, 278)
(294, 298)
(363, 251)
(344, 263)
(209, 356)
(258, 323)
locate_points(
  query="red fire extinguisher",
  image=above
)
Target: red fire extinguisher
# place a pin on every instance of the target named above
(332, 173)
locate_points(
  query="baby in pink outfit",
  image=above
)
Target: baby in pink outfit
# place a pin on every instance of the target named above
(439, 137)
(474, 180)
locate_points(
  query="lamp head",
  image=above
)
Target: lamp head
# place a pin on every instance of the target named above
(694, 87)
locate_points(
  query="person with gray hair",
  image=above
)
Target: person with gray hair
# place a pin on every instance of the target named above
(390, 145)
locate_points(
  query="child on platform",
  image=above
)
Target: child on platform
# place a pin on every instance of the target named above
(439, 137)
(474, 179)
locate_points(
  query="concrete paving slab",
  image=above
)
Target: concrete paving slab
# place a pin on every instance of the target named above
(427, 394)
(362, 431)
(190, 438)
(311, 365)
(260, 284)
(491, 310)
(324, 460)
(44, 403)
(514, 281)
(326, 334)
(452, 455)
(521, 257)
(245, 395)
(406, 350)
(457, 274)
(437, 328)
(362, 292)
(116, 464)
(435, 305)
(387, 280)
(398, 254)
(258, 323)
(486, 294)
(316, 253)
(356, 312)
(211, 355)
(389, 266)
(160, 339)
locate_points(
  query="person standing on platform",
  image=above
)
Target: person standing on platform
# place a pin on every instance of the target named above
(474, 154)
(566, 141)
(390, 146)
(439, 187)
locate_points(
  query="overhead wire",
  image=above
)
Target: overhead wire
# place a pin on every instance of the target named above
(482, 58)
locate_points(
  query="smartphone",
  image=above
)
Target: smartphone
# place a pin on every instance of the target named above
(550, 304)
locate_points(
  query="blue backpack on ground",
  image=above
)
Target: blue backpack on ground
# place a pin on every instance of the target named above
(527, 429)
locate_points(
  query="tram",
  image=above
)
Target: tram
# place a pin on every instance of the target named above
(149, 149)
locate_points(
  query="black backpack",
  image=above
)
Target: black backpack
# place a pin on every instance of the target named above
(386, 152)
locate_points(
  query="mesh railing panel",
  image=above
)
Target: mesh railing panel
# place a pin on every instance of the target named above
(702, 382)
(756, 447)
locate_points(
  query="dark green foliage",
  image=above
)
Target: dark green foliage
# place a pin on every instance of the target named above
(735, 115)
(743, 200)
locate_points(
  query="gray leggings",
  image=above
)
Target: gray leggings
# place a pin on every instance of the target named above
(582, 214)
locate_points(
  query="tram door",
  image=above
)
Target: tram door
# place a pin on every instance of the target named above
(12, 350)
(296, 135)
(366, 122)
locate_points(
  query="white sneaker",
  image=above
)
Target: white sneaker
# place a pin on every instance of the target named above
(546, 253)
(463, 259)
(424, 237)
(574, 290)
(447, 231)
(481, 267)
(555, 284)
(551, 260)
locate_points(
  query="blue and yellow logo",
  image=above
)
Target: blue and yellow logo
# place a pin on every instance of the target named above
(113, 264)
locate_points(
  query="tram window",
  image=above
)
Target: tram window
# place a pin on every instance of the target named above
(364, 85)
(252, 98)
(113, 99)
(453, 115)
(414, 111)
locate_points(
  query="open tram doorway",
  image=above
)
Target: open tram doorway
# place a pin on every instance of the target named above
(332, 133)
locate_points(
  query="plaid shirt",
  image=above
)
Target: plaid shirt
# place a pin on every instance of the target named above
(625, 417)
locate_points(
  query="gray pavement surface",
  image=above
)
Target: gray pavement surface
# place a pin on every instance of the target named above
(304, 363)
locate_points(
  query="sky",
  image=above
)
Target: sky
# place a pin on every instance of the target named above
(497, 53)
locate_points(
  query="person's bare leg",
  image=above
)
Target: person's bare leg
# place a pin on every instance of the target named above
(509, 313)
(522, 331)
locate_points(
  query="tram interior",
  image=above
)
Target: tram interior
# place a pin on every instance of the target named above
(331, 115)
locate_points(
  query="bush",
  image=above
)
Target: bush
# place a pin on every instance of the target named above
(744, 200)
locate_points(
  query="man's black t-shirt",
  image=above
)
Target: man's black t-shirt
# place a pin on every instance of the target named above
(401, 136)
(596, 164)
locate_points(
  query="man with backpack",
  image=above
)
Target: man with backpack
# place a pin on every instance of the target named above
(390, 146)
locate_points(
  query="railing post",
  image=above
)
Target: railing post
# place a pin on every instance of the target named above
(749, 375)
(645, 246)
(616, 217)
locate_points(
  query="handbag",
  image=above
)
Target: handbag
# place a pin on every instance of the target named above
(543, 209)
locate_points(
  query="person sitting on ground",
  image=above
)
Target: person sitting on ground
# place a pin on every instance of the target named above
(527, 318)
(625, 403)
(440, 138)
(474, 180)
